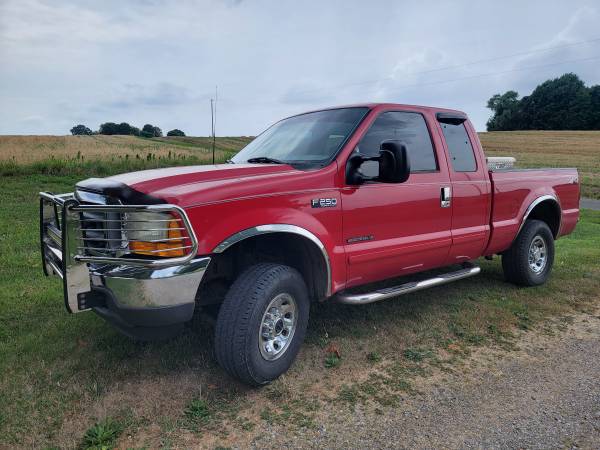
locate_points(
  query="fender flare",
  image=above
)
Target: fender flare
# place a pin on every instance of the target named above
(279, 228)
(535, 203)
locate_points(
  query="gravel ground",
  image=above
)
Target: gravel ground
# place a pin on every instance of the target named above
(544, 395)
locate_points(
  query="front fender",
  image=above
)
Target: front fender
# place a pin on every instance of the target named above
(219, 225)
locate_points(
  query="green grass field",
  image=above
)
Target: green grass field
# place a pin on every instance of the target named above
(71, 381)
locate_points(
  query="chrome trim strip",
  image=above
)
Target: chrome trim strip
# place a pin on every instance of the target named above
(278, 228)
(536, 202)
(406, 288)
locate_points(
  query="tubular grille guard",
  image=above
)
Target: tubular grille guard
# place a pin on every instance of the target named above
(95, 233)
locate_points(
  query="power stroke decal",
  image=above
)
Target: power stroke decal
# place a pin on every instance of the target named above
(360, 239)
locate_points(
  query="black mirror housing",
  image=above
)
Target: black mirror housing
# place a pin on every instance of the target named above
(353, 175)
(394, 165)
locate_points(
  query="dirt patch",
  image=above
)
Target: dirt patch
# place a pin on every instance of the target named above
(544, 394)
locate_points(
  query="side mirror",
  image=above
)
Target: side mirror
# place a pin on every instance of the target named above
(394, 165)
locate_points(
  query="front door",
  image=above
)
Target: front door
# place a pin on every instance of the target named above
(397, 229)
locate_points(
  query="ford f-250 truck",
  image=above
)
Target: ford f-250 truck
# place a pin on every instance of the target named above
(317, 205)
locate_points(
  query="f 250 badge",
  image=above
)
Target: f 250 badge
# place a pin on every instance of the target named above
(323, 202)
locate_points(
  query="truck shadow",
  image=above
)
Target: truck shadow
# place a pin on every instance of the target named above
(348, 327)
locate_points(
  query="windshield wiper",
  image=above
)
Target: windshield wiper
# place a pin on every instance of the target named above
(265, 160)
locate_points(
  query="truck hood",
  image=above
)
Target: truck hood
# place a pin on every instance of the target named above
(193, 185)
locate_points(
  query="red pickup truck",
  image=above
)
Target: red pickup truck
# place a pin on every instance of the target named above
(316, 206)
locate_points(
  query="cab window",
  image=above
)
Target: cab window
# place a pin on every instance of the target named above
(409, 129)
(460, 149)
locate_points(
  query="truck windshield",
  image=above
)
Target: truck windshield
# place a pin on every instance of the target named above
(308, 139)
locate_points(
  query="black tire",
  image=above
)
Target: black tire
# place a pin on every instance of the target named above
(515, 261)
(240, 320)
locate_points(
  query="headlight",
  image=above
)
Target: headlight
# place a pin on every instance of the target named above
(155, 234)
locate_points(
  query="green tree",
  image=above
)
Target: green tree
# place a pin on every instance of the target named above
(122, 128)
(80, 130)
(149, 130)
(594, 119)
(506, 111)
(559, 104)
(108, 128)
(563, 103)
(176, 132)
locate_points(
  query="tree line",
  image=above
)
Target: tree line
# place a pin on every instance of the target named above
(123, 128)
(564, 103)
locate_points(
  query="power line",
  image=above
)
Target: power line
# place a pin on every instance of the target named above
(502, 72)
(594, 58)
(498, 58)
(439, 69)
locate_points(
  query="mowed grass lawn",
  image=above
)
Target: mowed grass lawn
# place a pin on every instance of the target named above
(72, 381)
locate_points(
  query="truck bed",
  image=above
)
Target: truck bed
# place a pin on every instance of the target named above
(515, 189)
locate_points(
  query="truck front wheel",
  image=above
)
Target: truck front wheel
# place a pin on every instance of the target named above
(261, 323)
(529, 260)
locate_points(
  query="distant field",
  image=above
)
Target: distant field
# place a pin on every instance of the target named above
(29, 149)
(579, 149)
(67, 155)
(106, 155)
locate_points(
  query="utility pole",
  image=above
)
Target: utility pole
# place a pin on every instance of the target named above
(212, 126)
(213, 119)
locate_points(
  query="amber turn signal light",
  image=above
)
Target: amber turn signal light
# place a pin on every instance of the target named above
(171, 247)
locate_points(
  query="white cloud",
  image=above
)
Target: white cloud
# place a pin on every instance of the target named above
(157, 61)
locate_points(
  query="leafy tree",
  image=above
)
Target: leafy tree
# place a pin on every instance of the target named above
(594, 122)
(564, 103)
(108, 128)
(149, 130)
(559, 104)
(175, 132)
(121, 128)
(125, 128)
(505, 109)
(80, 130)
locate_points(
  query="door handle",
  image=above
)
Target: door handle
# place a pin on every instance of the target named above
(445, 197)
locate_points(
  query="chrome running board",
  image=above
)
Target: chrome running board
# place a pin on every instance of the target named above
(468, 270)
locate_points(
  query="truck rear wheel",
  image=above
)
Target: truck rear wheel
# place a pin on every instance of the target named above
(262, 323)
(529, 260)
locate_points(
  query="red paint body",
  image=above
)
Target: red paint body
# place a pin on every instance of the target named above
(411, 232)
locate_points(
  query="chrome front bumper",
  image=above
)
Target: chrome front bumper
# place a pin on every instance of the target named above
(129, 293)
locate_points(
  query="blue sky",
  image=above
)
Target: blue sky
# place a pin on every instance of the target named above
(69, 62)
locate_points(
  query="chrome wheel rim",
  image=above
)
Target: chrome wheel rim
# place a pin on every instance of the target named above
(538, 254)
(278, 326)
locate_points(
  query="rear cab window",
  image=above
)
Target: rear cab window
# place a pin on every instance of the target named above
(460, 149)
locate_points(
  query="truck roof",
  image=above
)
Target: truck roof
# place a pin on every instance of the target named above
(382, 105)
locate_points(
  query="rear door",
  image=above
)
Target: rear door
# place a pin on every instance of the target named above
(396, 229)
(470, 188)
